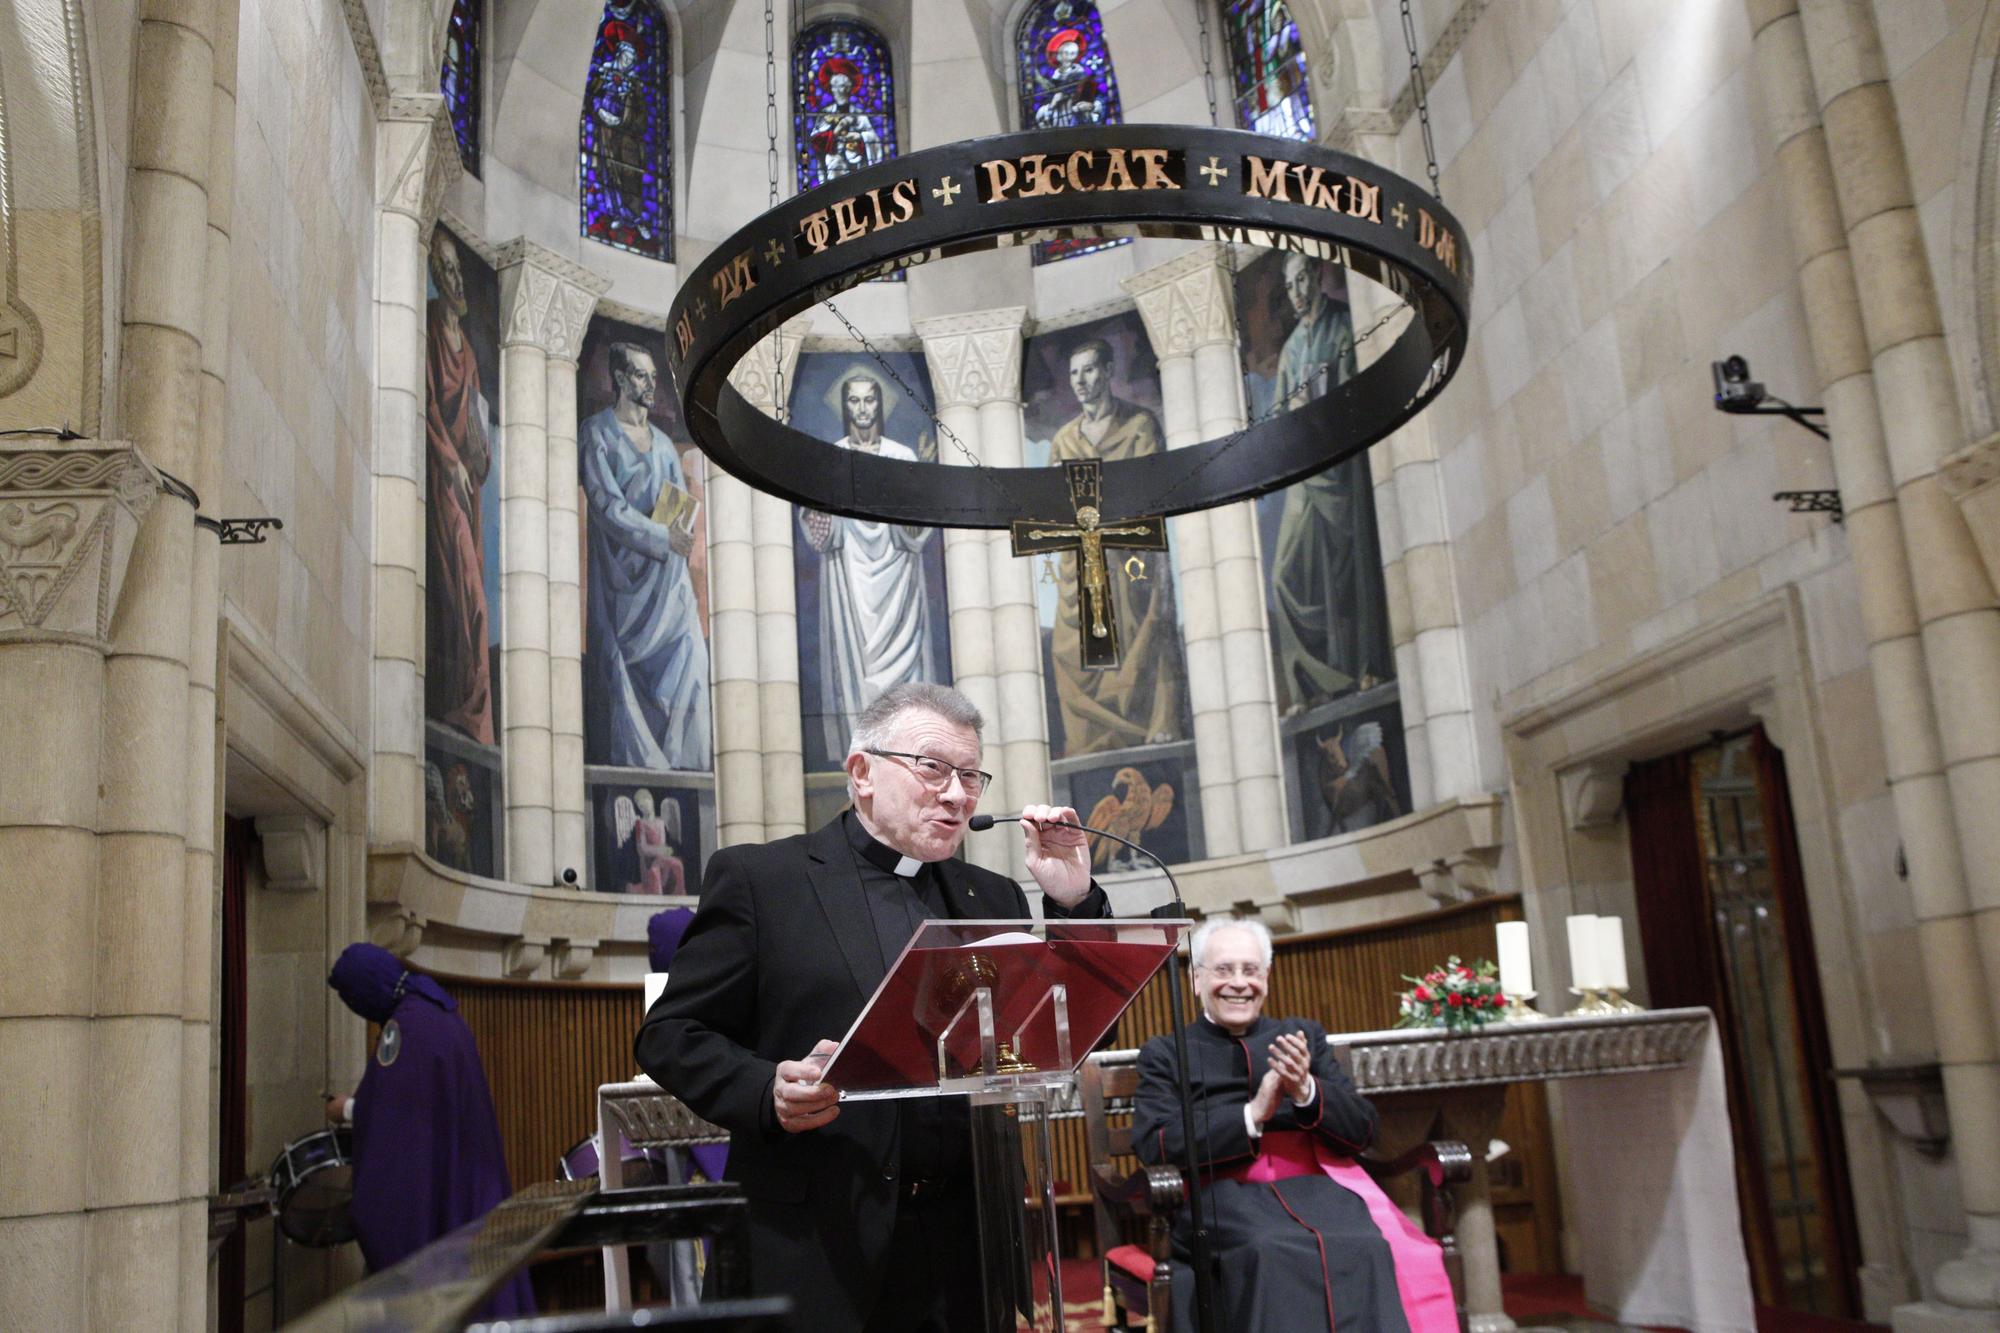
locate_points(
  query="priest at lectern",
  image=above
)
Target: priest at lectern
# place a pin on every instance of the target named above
(864, 1214)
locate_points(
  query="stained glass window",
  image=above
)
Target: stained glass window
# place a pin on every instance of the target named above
(624, 189)
(1066, 79)
(844, 100)
(459, 79)
(1268, 63)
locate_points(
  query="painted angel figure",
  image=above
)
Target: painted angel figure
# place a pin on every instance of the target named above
(844, 138)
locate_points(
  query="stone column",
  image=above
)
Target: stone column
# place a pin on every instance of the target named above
(545, 304)
(757, 722)
(416, 159)
(1912, 747)
(570, 834)
(975, 364)
(1189, 308)
(1954, 604)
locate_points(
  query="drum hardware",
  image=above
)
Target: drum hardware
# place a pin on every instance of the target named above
(233, 1208)
(313, 1180)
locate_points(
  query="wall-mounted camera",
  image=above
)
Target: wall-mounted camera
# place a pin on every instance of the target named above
(1735, 391)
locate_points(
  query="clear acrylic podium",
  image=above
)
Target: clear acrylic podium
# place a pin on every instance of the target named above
(1003, 1013)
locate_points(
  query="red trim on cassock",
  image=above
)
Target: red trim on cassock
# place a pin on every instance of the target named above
(1325, 1280)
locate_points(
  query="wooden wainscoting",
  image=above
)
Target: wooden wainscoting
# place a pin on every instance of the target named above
(548, 1045)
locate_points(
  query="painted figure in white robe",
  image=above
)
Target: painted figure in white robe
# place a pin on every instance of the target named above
(649, 659)
(874, 619)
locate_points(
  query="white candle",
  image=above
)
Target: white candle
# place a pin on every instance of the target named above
(1516, 974)
(1611, 953)
(1583, 970)
(655, 983)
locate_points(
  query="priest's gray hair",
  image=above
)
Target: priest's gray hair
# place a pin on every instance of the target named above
(875, 725)
(1206, 931)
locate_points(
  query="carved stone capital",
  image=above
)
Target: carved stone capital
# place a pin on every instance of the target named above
(545, 300)
(416, 158)
(523, 957)
(68, 518)
(294, 853)
(975, 359)
(1187, 302)
(573, 958)
(765, 372)
(1592, 793)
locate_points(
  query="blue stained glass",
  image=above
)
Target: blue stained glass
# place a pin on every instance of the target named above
(459, 79)
(1066, 79)
(624, 181)
(844, 100)
(1268, 63)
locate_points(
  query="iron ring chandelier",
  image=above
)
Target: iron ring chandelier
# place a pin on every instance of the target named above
(1189, 182)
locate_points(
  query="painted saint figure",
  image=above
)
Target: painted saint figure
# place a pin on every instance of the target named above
(844, 137)
(1140, 702)
(874, 619)
(618, 104)
(458, 684)
(647, 649)
(1328, 604)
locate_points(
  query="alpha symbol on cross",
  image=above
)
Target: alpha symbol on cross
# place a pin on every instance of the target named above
(1089, 537)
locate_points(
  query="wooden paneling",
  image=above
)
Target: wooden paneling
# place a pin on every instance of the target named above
(547, 1046)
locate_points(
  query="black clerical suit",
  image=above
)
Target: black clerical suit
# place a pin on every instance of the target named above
(1268, 1239)
(866, 1222)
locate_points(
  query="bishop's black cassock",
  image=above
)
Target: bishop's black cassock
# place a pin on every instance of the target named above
(1301, 1237)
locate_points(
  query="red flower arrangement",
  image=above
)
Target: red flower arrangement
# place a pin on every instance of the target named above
(1453, 996)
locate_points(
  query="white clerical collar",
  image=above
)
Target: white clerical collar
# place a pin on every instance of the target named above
(879, 854)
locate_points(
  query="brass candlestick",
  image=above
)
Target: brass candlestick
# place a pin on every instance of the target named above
(1590, 1002)
(1520, 1009)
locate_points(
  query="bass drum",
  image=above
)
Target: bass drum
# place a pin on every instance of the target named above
(314, 1180)
(641, 1167)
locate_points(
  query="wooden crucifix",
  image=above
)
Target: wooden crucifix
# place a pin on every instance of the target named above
(1088, 537)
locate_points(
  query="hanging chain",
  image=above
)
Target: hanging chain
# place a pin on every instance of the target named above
(1207, 62)
(1423, 100)
(779, 406)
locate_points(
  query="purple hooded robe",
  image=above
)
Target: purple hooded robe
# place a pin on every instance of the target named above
(427, 1156)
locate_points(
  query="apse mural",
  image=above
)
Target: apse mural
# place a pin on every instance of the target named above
(643, 512)
(1267, 64)
(1328, 607)
(1093, 391)
(871, 596)
(459, 79)
(461, 556)
(623, 139)
(1066, 79)
(844, 95)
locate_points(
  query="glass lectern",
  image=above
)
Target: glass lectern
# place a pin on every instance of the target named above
(1003, 1013)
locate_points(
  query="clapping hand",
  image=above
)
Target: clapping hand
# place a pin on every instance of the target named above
(1291, 1061)
(803, 1102)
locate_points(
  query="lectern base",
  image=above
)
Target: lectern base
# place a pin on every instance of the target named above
(1020, 1248)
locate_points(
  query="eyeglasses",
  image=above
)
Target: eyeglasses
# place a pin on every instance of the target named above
(936, 773)
(1230, 971)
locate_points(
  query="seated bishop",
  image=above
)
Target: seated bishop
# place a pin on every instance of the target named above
(1300, 1236)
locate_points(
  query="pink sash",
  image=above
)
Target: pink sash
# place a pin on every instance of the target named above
(1420, 1275)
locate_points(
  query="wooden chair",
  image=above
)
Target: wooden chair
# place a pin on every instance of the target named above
(1135, 1209)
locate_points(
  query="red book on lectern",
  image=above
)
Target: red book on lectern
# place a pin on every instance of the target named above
(921, 1035)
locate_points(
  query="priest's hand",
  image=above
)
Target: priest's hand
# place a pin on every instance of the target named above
(1265, 1104)
(1291, 1061)
(1058, 852)
(803, 1102)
